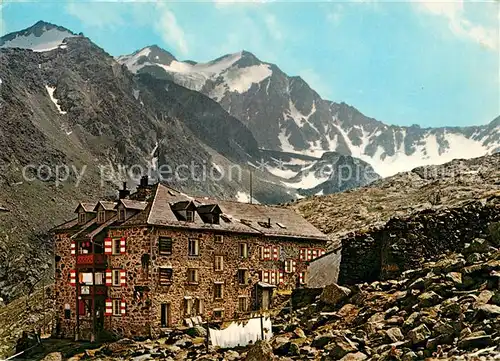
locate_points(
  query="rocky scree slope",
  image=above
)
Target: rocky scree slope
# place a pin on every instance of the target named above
(285, 114)
(448, 309)
(431, 187)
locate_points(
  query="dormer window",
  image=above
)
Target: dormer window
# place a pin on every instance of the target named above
(189, 216)
(82, 218)
(121, 214)
(101, 216)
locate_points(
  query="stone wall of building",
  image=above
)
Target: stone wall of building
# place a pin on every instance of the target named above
(65, 294)
(402, 244)
(144, 295)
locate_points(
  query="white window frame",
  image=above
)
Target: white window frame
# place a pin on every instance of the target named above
(189, 216)
(116, 277)
(246, 274)
(219, 263)
(116, 245)
(219, 238)
(243, 252)
(216, 286)
(117, 304)
(196, 251)
(245, 299)
(121, 214)
(196, 275)
(101, 216)
(82, 215)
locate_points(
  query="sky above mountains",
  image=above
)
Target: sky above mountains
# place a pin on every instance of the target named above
(427, 63)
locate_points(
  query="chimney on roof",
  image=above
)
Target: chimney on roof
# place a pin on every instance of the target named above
(269, 222)
(144, 182)
(123, 193)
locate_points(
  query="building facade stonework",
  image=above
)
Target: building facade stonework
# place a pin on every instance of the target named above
(156, 266)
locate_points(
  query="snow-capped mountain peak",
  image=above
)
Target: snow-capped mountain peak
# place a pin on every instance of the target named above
(232, 72)
(42, 36)
(285, 114)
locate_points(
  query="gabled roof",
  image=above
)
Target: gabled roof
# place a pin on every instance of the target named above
(183, 206)
(131, 204)
(291, 224)
(87, 207)
(209, 208)
(108, 206)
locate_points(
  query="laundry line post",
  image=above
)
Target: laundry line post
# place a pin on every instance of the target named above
(262, 327)
(208, 334)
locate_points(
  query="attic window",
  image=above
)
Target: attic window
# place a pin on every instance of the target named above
(264, 224)
(101, 216)
(121, 214)
(281, 225)
(190, 216)
(81, 217)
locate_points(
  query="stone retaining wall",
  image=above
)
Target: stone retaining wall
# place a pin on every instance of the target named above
(402, 244)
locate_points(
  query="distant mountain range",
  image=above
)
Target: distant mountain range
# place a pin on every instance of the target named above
(284, 113)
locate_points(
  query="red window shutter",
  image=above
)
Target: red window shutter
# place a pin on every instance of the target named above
(123, 243)
(109, 307)
(302, 256)
(72, 277)
(322, 252)
(109, 277)
(301, 278)
(273, 277)
(294, 266)
(309, 254)
(314, 253)
(266, 276)
(123, 307)
(108, 246)
(123, 278)
(282, 277)
(73, 248)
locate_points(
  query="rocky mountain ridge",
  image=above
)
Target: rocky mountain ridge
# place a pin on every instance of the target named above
(284, 113)
(432, 188)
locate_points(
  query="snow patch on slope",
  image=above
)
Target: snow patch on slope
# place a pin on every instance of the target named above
(48, 40)
(241, 79)
(244, 197)
(51, 91)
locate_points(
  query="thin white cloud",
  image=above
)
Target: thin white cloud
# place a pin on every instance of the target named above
(170, 30)
(273, 27)
(96, 14)
(455, 15)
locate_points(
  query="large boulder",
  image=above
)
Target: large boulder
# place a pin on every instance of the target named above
(419, 334)
(428, 299)
(53, 356)
(473, 342)
(321, 341)
(261, 351)
(333, 294)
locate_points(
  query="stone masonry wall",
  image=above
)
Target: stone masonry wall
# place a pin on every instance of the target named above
(144, 308)
(64, 293)
(402, 244)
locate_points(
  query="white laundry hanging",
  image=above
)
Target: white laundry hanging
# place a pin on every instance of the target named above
(237, 334)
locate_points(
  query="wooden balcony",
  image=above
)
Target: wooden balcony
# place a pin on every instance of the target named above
(87, 260)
